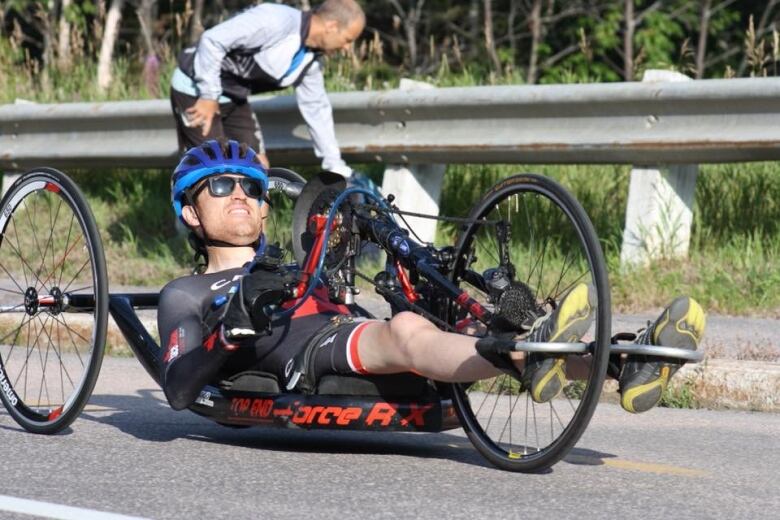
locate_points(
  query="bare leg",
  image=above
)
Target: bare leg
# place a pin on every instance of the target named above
(410, 343)
(578, 367)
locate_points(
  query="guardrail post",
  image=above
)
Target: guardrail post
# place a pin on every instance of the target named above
(659, 212)
(9, 177)
(417, 187)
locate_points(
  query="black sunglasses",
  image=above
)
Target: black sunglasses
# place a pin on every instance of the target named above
(222, 186)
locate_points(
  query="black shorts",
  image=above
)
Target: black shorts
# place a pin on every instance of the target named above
(235, 120)
(334, 351)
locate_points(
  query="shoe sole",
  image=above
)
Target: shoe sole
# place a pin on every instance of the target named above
(681, 326)
(576, 315)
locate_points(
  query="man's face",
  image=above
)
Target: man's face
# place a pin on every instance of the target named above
(340, 38)
(235, 218)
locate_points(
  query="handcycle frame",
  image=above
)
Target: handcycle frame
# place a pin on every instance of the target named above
(313, 411)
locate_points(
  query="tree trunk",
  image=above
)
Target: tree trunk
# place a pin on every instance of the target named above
(196, 21)
(473, 28)
(113, 19)
(410, 21)
(490, 41)
(701, 48)
(410, 27)
(628, 41)
(63, 37)
(535, 22)
(46, 26)
(147, 13)
(510, 29)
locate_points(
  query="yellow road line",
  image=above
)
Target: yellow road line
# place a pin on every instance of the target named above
(647, 467)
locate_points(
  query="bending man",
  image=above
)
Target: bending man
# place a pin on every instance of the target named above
(266, 48)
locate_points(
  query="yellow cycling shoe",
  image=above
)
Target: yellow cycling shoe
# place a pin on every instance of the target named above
(544, 376)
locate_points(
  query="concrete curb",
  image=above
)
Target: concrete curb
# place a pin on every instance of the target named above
(733, 384)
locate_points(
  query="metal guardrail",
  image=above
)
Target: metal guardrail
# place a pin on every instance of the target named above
(634, 123)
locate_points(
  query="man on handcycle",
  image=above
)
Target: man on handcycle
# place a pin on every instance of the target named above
(214, 323)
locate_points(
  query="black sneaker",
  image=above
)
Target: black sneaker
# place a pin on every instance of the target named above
(544, 375)
(644, 379)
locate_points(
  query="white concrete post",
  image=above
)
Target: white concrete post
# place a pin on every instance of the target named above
(417, 187)
(659, 212)
(9, 177)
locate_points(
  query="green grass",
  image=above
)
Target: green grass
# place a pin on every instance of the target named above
(733, 263)
(138, 227)
(680, 395)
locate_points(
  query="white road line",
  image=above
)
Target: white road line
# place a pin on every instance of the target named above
(60, 512)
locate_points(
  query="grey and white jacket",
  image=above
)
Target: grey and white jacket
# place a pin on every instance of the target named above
(261, 50)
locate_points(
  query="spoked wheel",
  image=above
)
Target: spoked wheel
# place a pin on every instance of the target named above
(53, 301)
(530, 243)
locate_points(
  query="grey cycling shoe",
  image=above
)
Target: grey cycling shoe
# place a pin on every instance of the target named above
(643, 380)
(544, 376)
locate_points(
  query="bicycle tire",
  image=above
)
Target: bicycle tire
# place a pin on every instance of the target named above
(45, 202)
(557, 210)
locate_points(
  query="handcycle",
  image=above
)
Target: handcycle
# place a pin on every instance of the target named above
(521, 247)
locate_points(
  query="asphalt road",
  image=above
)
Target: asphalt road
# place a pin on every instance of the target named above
(130, 454)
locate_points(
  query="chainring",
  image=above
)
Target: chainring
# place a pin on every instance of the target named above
(316, 199)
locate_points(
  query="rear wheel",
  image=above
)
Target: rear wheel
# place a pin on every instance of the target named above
(530, 236)
(53, 301)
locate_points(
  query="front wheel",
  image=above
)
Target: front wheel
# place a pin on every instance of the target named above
(529, 241)
(53, 301)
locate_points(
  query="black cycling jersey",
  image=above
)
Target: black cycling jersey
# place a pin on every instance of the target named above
(192, 358)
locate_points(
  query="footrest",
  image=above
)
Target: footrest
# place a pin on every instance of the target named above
(654, 350)
(554, 348)
(683, 354)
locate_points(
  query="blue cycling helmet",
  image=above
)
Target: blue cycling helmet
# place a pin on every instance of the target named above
(213, 158)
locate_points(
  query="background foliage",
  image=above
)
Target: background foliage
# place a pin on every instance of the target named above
(54, 45)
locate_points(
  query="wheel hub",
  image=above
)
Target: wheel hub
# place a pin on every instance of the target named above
(31, 301)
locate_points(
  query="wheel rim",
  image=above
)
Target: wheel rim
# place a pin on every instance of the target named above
(46, 262)
(550, 255)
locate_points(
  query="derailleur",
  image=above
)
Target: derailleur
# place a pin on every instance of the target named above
(516, 308)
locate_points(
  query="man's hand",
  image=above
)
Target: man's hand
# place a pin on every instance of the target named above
(202, 114)
(245, 311)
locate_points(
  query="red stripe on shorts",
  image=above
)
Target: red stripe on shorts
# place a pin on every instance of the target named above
(352, 349)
